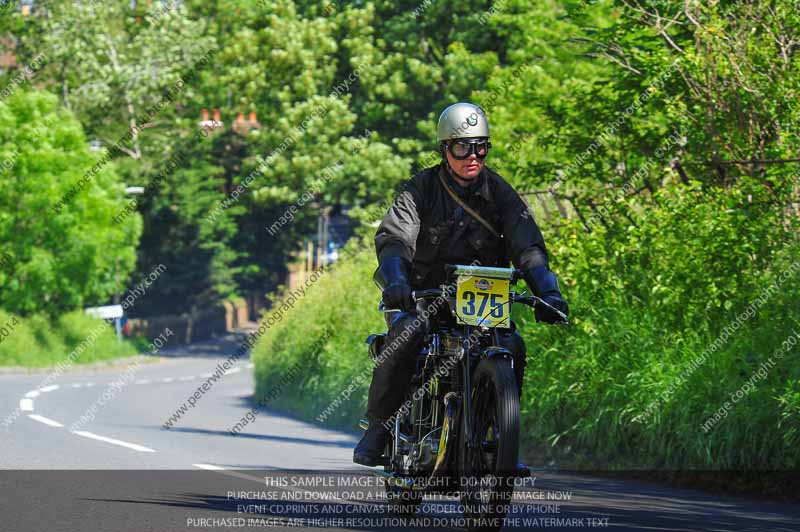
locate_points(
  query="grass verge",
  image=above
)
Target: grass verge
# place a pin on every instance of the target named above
(38, 342)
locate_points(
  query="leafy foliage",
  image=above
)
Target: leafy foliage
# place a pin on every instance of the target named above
(658, 124)
(660, 136)
(57, 261)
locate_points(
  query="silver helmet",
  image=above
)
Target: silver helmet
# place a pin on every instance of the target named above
(462, 121)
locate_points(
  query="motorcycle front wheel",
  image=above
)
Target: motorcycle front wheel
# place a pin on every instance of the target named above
(487, 462)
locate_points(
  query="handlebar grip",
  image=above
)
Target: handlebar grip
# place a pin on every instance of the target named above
(416, 295)
(426, 294)
(534, 301)
(526, 300)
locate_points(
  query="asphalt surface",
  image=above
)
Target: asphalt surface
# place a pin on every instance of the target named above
(80, 453)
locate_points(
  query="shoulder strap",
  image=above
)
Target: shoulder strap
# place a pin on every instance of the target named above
(466, 207)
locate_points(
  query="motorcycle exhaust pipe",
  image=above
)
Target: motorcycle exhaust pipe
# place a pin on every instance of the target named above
(451, 407)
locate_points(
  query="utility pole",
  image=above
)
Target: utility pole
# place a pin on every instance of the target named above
(309, 258)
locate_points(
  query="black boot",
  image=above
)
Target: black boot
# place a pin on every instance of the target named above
(369, 451)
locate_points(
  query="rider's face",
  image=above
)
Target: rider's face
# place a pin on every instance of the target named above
(467, 169)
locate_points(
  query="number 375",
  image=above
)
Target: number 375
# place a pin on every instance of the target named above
(493, 299)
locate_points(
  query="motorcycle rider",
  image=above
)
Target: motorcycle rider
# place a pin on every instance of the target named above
(425, 229)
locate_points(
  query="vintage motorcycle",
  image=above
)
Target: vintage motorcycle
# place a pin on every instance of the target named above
(458, 431)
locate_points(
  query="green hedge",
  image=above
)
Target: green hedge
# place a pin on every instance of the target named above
(39, 341)
(615, 389)
(325, 333)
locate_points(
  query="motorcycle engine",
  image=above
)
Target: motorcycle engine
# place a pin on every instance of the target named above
(451, 344)
(430, 408)
(424, 453)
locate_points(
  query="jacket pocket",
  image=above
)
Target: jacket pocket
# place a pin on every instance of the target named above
(481, 239)
(438, 233)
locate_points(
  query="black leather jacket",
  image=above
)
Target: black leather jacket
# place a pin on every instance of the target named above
(428, 229)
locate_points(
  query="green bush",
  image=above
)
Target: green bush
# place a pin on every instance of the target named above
(619, 388)
(634, 380)
(39, 341)
(325, 333)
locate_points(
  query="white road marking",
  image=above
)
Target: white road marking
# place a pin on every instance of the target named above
(46, 421)
(206, 375)
(260, 480)
(167, 379)
(32, 394)
(26, 405)
(250, 365)
(189, 378)
(210, 467)
(223, 471)
(143, 381)
(235, 370)
(89, 384)
(49, 388)
(121, 443)
(77, 385)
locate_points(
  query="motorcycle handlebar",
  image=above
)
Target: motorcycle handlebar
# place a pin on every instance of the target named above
(535, 301)
(416, 295)
(515, 276)
(428, 293)
(531, 301)
(432, 293)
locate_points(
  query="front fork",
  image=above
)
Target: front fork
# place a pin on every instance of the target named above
(396, 443)
(490, 352)
(467, 412)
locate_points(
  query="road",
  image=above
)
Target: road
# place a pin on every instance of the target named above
(120, 469)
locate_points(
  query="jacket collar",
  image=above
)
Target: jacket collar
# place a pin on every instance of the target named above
(483, 189)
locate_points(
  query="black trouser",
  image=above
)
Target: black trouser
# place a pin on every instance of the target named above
(392, 376)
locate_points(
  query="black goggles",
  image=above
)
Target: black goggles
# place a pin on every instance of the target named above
(461, 149)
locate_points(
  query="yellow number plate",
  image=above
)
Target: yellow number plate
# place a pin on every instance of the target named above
(483, 301)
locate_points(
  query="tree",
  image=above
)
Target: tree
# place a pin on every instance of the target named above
(659, 122)
(111, 66)
(57, 261)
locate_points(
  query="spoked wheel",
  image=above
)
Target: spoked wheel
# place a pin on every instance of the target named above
(487, 463)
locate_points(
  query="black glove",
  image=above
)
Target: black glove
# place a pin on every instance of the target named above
(397, 295)
(397, 292)
(544, 284)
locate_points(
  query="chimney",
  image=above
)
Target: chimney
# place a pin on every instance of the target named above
(252, 117)
(205, 115)
(240, 118)
(216, 115)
